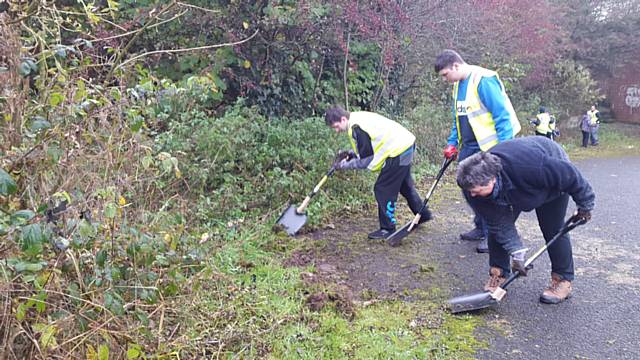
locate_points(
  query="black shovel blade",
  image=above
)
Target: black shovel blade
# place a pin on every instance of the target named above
(466, 303)
(291, 220)
(395, 239)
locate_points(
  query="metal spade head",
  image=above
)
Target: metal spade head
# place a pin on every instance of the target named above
(291, 220)
(395, 239)
(472, 302)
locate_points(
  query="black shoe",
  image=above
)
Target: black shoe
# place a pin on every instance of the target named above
(483, 246)
(473, 235)
(380, 234)
(425, 216)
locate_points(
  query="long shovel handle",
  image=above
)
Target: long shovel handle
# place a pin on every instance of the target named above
(416, 219)
(569, 225)
(315, 190)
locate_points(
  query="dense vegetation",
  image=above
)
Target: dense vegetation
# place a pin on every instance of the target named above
(147, 148)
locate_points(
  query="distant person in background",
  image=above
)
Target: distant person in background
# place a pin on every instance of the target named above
(585, 127)
(594, 122)
(545, 123)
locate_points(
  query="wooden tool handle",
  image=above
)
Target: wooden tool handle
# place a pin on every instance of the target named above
(415, 221)
(304, 205)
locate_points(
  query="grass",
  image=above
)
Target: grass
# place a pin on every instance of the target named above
(385, 330)
(615, 140)
(242, 302)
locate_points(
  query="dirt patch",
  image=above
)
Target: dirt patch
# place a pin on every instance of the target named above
(299, 258)
(372, 270)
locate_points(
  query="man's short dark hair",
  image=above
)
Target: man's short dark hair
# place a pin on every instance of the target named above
(446, 59)
(478, 170)
(334, 114)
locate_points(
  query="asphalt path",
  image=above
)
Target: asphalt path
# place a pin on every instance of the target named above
(602, 319)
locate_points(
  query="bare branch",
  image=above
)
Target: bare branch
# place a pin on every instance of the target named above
(186, 50)
(198, 7)
(141, 29)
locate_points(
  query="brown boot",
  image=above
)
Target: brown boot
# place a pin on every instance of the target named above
(495, 280)
(557, 292)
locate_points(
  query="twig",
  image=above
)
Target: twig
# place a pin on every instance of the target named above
(198, 7)
(315, 86)
(344, 74)
(160, 326)
(34, 341)
(186, 49)
(134, 38)
(141, 29)
(33, 148)
(85, 335)
(77, 268)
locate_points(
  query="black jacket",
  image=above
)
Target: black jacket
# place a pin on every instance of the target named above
(535, 170)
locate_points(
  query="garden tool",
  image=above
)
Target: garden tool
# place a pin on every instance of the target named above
(466, 303)
(395, 238)
(295, 217)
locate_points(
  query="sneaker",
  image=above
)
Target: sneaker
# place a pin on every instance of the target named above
(380, 234)
(425, 216)
(483, 246)
(557, 292)
(495, 280)
(473, 235)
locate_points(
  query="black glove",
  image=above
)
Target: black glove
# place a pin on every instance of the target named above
(344, 155)
(581, 214)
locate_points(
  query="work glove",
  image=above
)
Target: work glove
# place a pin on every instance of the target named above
(342, 157)
(581, 214)
(450, 152)
(517, 261)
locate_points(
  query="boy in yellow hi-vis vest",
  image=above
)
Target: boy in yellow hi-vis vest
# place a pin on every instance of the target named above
(380, 145)
(482, 117)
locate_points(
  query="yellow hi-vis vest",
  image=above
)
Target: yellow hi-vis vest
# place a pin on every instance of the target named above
(593, 118)
(388, 138)
(544, 127)
(480, 119)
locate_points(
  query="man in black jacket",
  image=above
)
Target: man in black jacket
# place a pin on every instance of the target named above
(522, 175)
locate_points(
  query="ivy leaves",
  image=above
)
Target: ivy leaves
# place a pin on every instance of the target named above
(7, 184)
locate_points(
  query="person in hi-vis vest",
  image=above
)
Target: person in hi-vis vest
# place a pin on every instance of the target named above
(384, 146)
(594, 123)
(482, 117)
(545, 123)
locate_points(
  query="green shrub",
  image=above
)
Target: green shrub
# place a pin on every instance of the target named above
(242, 165)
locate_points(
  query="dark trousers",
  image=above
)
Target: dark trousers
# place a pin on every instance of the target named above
(478, 221)
(549, 134)
(550, 219)
(585, 138)
(395, 177)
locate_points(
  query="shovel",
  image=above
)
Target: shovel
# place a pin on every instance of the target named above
(395, 238)
(294, 217)
(486, 299)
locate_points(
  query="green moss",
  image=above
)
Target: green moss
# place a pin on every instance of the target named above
(384, 330)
